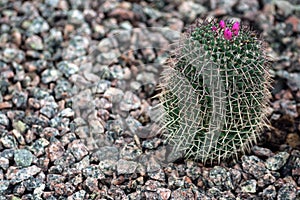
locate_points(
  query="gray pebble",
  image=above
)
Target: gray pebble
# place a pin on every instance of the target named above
(93, 171)
(114, 94)
(269, 192)
(3, 186)
(50, 75)
(287, 192)
(106, 153)
(34, 42)
(249, 186)
(221, 178)
(190, 10)
(38, 25)
(78, 149)
(75, 17)
(4, 163)
(10, 55)
(8, 141)
(254, 166)
(130, 101)
(67, 68)
(276, 162)
(62, 89)
(23, 157)
(126, 167)
(19, 175)
(77, 195)
(4, 120)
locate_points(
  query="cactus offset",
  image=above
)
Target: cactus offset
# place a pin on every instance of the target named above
(215, 91)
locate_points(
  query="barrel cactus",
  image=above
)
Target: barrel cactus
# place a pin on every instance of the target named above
(215, 91)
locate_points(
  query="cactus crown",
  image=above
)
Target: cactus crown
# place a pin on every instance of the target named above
(215, 91)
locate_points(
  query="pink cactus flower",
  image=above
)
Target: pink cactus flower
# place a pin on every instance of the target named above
(227, 34)
(235, 28)
(214, 28)
(222, 24)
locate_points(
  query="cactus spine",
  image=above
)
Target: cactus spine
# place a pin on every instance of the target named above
(215, 91)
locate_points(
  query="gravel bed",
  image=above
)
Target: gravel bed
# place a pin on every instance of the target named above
(76, 90)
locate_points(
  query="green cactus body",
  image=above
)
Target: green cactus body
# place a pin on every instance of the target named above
(215, 91)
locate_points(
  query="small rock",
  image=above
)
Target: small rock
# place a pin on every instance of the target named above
(287, 192)
(93, 171)
(130, 102)
(249, 186)
(78, 149)
(10, 55)
(55, 150)
(77, 195)
(23, 157)
(3, 186)
(182, 193)
(67, 68)
(50, 75)
(260, 151)
(254, 166)
(276, 162)
(91, 184)
(126, 167)
(38, 25)
(267, 179)
(114, 94)
(20, 99)
(8, 141)
(164, 193)
(284, 8)
(34, 42)
(4, 163)
(4, 120)
(221, 178)
(18, 175)
(269, 192)
(191, 10)
(75, 17)
(105, 153)
(67, 112)
(19, 126)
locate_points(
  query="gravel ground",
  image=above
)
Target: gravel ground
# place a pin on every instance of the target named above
(77, 81)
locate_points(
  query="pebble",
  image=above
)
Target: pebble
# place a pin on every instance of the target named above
(254, 166)
(93, 172)
(78, 149)
(249, 186)
(55, 150)
(190, 10)
(114, 94)
(221, 178)
(262, 152)
(126, 167)
(38, 25)
(50, 75)
(34, 42)
(23, 157)
(4, 120)
(67, 68)
(75, 17)
(129, 101)
(19, 175)
(287, 191)
(105, 153)
(4, 163)
(269, 192)
(277, 161)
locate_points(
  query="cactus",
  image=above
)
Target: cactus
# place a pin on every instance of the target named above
(215, 91)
